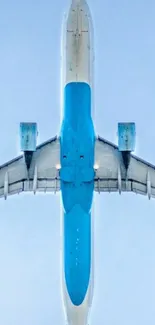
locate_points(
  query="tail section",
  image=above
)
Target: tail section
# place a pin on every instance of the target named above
(77, 262)
(77, 253)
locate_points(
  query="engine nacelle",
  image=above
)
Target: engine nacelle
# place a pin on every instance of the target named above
(28, 136)
(28, 140)
(126, 136)
(126, 141)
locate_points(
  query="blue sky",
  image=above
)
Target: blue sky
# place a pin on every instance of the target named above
(124, 225)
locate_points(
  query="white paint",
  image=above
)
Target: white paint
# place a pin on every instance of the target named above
(77, 45)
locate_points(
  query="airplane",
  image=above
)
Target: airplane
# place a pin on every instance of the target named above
(76, 163)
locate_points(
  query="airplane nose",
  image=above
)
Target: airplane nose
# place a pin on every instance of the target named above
(78, 43)
(78, 1)
(78, 17)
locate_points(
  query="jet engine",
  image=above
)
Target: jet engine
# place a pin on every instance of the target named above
(28, 140)
(126, 141)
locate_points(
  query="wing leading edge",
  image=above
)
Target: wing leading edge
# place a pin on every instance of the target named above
(43, 173)
(112, 176)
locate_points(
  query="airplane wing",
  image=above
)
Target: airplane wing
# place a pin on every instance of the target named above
(112, 175)
(42, 176)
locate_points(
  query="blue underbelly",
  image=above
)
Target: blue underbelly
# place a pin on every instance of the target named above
(77, 249)
(77, 186)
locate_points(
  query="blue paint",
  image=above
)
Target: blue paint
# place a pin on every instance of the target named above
(77, 226)
(126, 136)
(28, 136)
(77, 186)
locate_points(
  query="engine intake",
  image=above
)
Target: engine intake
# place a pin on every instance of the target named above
(126, 136)
(28, 140)
(126, 141)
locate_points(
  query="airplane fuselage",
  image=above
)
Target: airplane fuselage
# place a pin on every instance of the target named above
(77, 141)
